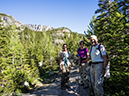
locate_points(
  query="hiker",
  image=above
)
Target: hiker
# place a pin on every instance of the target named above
(83, 53)
(65, 66)
(98, 65)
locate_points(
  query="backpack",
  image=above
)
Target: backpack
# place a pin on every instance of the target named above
(100, 52)
(63, 55)
(107, 71)
(65, 59)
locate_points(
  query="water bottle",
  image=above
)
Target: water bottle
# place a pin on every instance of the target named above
(107, 71)
(101, 79)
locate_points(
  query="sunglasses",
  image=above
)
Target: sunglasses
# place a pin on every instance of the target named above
(92, 40)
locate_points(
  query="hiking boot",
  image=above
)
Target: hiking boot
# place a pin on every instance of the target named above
(85, 87)
(67, 86)
(63, 88)
(82, 84)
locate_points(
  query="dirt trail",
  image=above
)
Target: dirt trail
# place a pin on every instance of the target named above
(53, 89)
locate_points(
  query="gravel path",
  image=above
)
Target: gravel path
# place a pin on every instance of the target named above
(53, 89)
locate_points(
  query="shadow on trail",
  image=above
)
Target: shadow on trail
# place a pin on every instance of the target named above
(54, 89)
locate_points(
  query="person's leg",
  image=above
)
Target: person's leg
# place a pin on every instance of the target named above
(85, 80)
(98, 81)
(88, 75)
(88, 72)
(63, 80)
(81, 74)
(63, 75)
(92, 75)
(67, 77)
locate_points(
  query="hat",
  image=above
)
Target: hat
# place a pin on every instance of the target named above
(93, 36)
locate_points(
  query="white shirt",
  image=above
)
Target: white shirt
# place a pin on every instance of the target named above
(96, 55)
(67, 55)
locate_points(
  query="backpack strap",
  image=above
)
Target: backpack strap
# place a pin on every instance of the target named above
(99, 46)
(99, 49)
(91, 49)
(68, 53)
(101, 53)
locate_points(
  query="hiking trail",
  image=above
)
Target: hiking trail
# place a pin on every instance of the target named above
(54, 89)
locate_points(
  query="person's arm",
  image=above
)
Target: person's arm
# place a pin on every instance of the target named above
(69, 59)
(87, 53)
(103, 53)
(78, 54)
(70, 62)
(60, 61)
(89, 57)
(60, 64)
(104, 64)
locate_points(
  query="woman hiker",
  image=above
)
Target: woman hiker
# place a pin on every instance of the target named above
(83, 54)
(65, 66)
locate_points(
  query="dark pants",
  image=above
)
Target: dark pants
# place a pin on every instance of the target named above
(65, 76)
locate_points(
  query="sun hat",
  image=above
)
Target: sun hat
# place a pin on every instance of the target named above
(94, 37)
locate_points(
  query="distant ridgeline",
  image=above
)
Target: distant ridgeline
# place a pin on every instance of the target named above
(8, 20)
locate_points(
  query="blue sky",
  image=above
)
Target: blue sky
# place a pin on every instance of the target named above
(73, 14)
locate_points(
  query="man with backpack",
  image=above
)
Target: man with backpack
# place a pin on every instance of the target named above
(98, 65)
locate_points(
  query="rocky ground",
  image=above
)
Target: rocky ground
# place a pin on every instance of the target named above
(53, 89)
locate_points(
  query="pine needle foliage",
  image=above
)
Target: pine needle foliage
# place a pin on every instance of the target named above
(27, 57)
(111, 28)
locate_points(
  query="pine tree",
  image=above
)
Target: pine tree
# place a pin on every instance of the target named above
(14, 67)
(123, 6)
(110, 27)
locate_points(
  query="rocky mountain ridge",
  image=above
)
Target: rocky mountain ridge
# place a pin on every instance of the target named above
(36, 27)
(8, 20)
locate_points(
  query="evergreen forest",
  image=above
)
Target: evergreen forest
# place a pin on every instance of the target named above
(111, 25)
(27, 57)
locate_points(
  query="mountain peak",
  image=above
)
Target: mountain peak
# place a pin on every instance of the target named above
(8, 20)
(36, 27)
